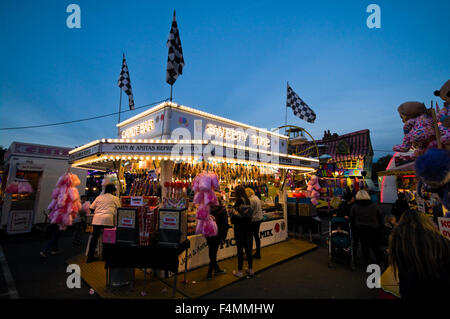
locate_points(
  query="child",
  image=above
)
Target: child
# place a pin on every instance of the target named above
(79, 222)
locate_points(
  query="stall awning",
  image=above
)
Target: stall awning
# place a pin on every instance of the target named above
(395, 173)
(107, 153)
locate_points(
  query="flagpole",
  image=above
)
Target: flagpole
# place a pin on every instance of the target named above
(171, 92)
(285, 118)
(120, 108)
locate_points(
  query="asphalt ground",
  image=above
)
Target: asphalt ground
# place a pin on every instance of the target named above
(304, 277)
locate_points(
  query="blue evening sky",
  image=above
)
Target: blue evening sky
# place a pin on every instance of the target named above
(238, 57)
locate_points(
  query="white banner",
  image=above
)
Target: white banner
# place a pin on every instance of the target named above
(271, 232)
(444, 226)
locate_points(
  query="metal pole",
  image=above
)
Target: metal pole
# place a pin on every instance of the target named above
(435, 125)
(285, 118)
(120, 110)
(171, 93)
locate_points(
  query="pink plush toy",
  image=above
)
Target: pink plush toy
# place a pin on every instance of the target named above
(314, 189)
(418, 129)
(65, 202)
(203, 186)
(12, 188)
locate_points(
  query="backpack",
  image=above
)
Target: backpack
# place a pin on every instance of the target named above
(245, 215)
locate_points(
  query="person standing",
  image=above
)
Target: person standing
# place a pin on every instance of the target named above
(366, 222)
(52, 245)
(105, 208)
(400, 206)
(420, 257)
(345, 206)
(255, 204)
(242, 218)
(79, 222)
(219, 213)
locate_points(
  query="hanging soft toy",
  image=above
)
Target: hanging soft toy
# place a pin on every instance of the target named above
(444, 94)
(418, 129)
(65, 202)
(314, 189)
(19, 187)
(433, 170)
(203, 186)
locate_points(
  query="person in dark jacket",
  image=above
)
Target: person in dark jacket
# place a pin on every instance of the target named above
(366, 222)
(221, 217)
(400, 206)
(345, 206)
(242, 231)
(420, 257)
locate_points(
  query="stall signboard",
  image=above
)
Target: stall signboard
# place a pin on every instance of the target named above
(188, 149)
(36, 150)
(29, 167)
(169, 220)
(212, 128)
(19, 221)
(84, 153)
(271, 232)
(156, 148)
(444, 226)
(148, 126)
(170, 121)
(136, 201)
(126, 218)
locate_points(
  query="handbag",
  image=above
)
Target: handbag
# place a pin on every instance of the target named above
(245, 214)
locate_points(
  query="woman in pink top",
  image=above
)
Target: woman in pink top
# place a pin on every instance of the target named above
(105, 208)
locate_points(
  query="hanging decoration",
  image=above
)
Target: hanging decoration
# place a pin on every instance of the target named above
(203, 186)
(65, 202)
(314, 189)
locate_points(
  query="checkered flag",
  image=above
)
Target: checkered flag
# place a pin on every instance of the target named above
(125, 83)
(175, 61)
(300, 108)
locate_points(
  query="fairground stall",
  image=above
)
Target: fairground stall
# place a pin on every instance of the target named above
(400, 177)
(160, 151)
(345, 164)
(31, 172)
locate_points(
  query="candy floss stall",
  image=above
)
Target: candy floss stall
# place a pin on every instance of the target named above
(161, 151)
(31, 172)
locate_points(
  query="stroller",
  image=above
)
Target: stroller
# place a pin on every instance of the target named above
(340, 243)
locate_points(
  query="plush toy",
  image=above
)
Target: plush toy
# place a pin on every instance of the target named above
(418, 129)
(444, 115)
(65, 202)
(433, 171)
(20, 187)
(314, 189)
(203, 186)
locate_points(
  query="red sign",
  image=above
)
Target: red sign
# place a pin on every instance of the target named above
(39, 150)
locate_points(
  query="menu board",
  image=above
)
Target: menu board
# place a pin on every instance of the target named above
(19, 221)
(169, 220)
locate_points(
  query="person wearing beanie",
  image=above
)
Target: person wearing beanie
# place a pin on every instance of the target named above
(366, 222)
